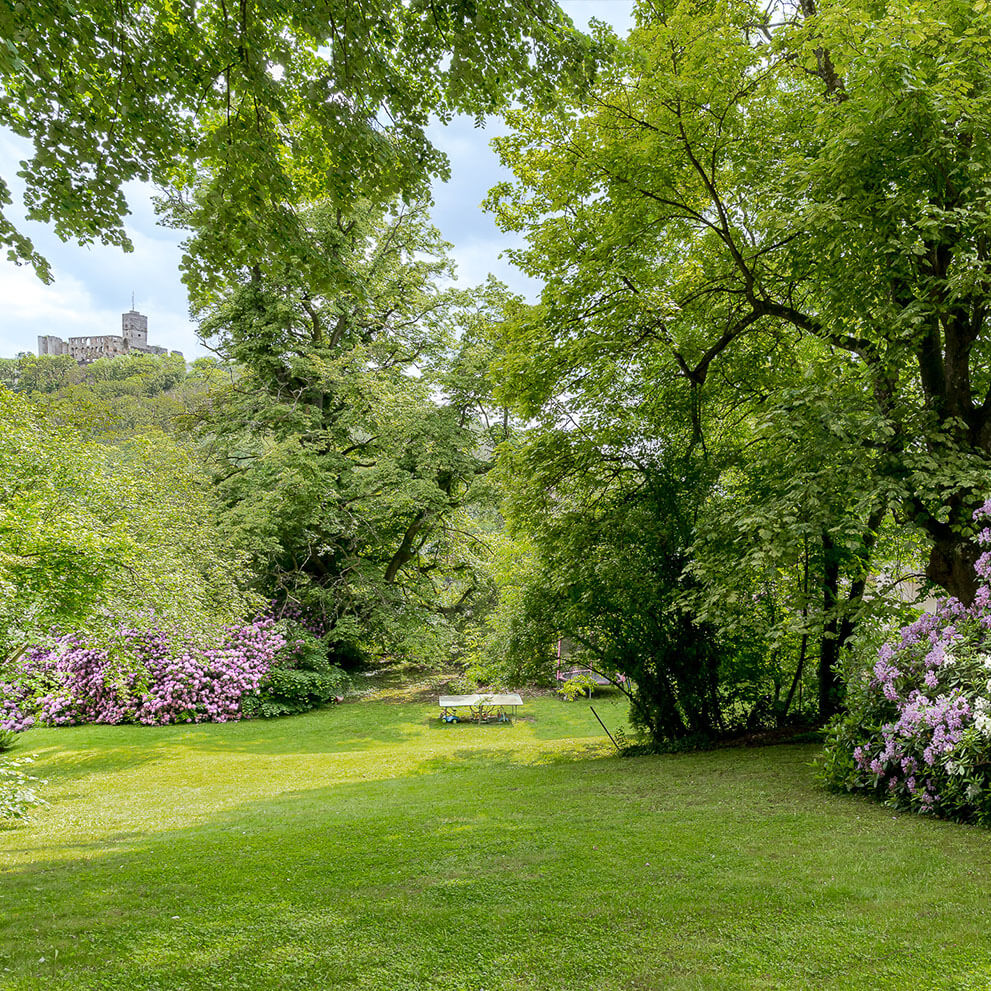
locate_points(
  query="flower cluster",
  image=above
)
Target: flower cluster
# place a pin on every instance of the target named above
(294, 612)
(13, 718)
(141, 676)
(209, 685)
(918, 733)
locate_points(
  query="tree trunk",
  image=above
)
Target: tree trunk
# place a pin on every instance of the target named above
(841, 623)
(829, 680)
(951, 566)
(830, 687)
(800, 667)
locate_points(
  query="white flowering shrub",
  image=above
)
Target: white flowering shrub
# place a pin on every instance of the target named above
(18, 789)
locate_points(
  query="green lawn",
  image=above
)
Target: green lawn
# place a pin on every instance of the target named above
(371, 847)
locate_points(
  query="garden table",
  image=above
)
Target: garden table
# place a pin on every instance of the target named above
(481, 706)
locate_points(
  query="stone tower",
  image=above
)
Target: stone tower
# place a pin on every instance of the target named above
(134, 327)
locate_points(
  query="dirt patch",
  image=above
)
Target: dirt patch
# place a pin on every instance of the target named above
(401, 684)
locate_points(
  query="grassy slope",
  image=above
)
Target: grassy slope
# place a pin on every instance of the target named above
(368, 847)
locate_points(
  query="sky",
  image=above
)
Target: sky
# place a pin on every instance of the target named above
(93, 284)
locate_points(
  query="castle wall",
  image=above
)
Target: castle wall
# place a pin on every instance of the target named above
(52, 345)
(134, 337)
(87, 349)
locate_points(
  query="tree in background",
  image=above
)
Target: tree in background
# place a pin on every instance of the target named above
(612, 543)
(114, 398)
(345, 453)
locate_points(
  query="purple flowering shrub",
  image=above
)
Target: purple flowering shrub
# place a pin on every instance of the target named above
(299, 615)
(13, 716)
(142, 677)
(917, 733)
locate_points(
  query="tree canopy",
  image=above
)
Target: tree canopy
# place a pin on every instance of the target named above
(281, 104)
(344, 450)
(761, 238)
(743, 180)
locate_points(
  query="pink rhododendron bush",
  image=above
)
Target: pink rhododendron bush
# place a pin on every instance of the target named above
(140, 676)
(917, 733)
(13, 718)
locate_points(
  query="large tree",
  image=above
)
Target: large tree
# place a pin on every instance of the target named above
(746, 177)
(343, 450)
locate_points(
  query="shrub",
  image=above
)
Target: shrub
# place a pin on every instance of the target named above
(141, 676)
(301, 676)
(210, 685)
(917, 733)
(148, 676)
(13, 718)
(576, 687)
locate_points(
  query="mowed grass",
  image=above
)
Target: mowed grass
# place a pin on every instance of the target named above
(371, 847)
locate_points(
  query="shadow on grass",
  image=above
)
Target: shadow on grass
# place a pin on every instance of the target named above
(509, 877)
(59, 765)
(356, 885)
(333, 729)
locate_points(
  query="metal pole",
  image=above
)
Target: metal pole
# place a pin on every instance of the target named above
(603, 725)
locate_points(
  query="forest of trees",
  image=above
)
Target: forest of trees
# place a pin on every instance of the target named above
(744, 424)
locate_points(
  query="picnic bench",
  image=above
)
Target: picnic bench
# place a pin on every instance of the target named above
(481, 708)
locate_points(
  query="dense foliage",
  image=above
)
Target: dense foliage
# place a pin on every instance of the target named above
(112, 398)
(918, 730)
(707, 224)
(345, 452)
(754, 200)
(603, 561)
(301, 677)
(96, 533)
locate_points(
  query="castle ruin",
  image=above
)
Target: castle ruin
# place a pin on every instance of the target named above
(132, 339)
